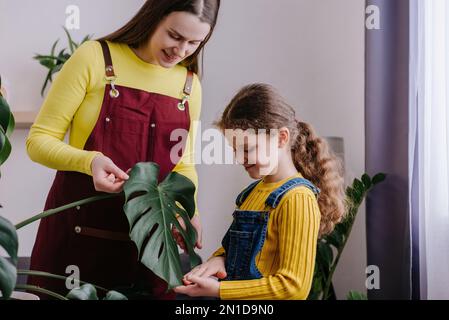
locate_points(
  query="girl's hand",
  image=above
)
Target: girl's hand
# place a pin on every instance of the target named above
(199, 231)
(107, 176)
(213, 267)
(200, 287)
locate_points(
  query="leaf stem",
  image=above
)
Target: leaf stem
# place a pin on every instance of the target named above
(51, 212)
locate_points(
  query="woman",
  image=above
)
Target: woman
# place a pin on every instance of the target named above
(121, 96)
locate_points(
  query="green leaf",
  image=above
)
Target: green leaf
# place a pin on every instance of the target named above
(325, 255)
(6, 117)
(114, 295)
(53, 48)
(71, 42)
(9, 239)
(378, 178)
(354, 295)
(10, 243)
(85, 292)
(154, 208)
(86, 38)
(366, 181)
(8, 277)
(5, 147)
(359, 186)
(358, 191)
(60, 59)
(335, 238)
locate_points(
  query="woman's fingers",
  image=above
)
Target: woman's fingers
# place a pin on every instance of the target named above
(107, 176)
(119, 173)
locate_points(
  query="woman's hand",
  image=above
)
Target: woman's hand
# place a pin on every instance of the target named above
(199, 231)
(107, 176)
(215, 266)
(200, 287)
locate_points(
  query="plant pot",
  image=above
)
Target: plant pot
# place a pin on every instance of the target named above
(19, 295)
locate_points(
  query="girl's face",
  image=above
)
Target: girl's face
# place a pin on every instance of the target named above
(258, 153)
(176, 38)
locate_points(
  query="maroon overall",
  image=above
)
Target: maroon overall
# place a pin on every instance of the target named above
(133, 126)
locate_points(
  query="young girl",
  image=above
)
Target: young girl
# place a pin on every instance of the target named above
(269, 250)
(121, 96)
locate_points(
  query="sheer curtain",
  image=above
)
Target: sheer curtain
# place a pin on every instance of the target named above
(429, 144)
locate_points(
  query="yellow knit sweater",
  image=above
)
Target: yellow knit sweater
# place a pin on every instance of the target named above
(75, 98)
(287, 258)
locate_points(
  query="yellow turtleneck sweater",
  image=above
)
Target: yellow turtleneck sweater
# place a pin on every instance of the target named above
(75, 99)
(287, 258)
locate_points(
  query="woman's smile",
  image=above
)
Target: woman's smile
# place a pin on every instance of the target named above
(169, 58)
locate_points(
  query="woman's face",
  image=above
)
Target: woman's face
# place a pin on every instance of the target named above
(176, 38)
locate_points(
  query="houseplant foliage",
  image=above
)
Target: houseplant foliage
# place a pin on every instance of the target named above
(151, 208)
(54, 62)
(330, 247)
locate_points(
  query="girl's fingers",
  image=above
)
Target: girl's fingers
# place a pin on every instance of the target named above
(198, 272)
(189, 290)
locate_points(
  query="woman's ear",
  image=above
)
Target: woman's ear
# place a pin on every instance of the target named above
(284, 137)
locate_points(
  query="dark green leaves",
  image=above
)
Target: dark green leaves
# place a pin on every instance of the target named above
(89, 292)
(378, 178)
(354, 295)
(9, 242)
(7, 125)
(55, 62)
(152, 210)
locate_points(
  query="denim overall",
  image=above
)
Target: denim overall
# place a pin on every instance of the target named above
(247, 233)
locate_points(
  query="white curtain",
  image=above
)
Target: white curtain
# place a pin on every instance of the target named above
(429, 150)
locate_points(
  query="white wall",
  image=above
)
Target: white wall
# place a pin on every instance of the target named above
(312, 50)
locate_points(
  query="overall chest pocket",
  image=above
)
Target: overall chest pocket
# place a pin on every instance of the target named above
(126, 135)
(242, 243)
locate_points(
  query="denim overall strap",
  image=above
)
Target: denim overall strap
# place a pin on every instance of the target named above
(275, 197)
(245, 193)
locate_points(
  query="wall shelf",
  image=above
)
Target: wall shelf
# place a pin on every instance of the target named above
(24, 119)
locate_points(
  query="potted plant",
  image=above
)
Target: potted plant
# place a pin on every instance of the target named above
(330, 247)
(54, 62)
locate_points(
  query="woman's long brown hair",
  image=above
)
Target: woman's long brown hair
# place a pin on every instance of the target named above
(139, 29)
(260, 106)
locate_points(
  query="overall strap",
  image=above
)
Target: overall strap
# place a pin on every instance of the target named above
(109, 71)
(187, 91)
(276, 196)
(189, 83)
(110, 75)
(245, 193)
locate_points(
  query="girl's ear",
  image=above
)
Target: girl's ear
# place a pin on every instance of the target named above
(283, 136)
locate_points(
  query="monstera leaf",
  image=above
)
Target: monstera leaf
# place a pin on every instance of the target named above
(89, 292)
(10, 243)
(6, 128)
(152, 209)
